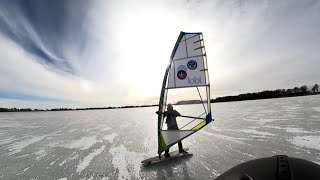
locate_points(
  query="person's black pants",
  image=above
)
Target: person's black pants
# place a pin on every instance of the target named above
(180, 147)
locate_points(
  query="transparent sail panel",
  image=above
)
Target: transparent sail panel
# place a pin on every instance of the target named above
(172, 136)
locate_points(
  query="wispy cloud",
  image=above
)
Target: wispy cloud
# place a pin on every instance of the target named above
(101, 53)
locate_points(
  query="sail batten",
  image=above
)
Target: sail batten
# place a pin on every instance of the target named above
(187, 69)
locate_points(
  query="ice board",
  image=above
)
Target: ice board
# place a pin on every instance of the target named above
(156, 159)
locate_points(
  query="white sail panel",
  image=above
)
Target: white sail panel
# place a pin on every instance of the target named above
(189, 35)
(189, 46)
(194, 46)
(172, 136)
(181, 51)
(187, 72)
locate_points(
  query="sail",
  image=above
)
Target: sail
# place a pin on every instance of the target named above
(187, 69)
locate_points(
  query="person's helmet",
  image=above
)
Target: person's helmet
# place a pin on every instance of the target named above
(169, 106)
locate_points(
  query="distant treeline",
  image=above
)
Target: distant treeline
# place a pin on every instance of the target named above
(296, 91)
(68, 109)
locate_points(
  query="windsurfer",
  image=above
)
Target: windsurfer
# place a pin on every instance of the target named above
(171, 122)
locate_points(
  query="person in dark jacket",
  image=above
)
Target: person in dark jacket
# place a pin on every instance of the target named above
(171, 122)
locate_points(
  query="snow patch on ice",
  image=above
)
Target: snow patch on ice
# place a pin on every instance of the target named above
(83, 143)
(317, 109)
(215, 173)
(40, 154)
(228, 138)
(251, 131)
(291, 108)
(247, 154)
(273, 127)
(63, 162)
(110, 137)
(72, 130)
(71, 158)
(124, 160)
(215, 128)
(62, 179)
(90, 178)
(53, 144)
(6, 141)
(106, 128)
(11, 125)
(86, 161)
(312, 142)
(266, 121)
(296, 130)
(30, 127)
(23, 171)
(74, 157)
(206, 165)
(52, 163)
(7, 118)
(18, 146)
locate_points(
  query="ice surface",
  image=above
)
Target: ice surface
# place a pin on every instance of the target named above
(18, 146)
(224, 137)
(86, 161)
(123, 160)
(83, 143)
(52, 163)
(110, 137)
(94, 145)
(307, 141)
(317, 109)
(6, 140)
(255, 132)
(40, 154)
(296, 130)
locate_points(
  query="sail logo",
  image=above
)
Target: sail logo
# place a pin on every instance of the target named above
(194, 80)
(192, 64)
(182, 72)
(183, 75)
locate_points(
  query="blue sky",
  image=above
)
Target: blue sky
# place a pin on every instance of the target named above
(69, 53)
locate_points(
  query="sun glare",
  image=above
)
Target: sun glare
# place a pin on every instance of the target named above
(146, 39)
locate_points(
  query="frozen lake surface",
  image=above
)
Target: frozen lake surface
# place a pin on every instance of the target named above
(110, 144)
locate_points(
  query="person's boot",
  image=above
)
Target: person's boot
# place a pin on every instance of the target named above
(167, 155)
(182, 151)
